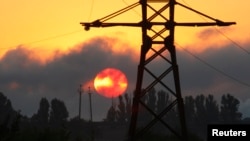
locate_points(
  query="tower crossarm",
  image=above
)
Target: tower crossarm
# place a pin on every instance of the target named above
(97, 23)
(102, 21)
(217, 23)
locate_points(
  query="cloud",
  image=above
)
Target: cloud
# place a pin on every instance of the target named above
(212, 38)
(25, 80)
(207, 33)
(228, 71)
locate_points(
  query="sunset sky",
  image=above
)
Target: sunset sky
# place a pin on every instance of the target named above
(45, 52)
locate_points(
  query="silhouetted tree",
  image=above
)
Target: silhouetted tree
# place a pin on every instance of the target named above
(124, 108)
(162, 104)
(128, 102)
(150, 102)
(212, 109)
(6, 110)
(229, 109)
(190, 110)
(162, 101)
(111, 115)
(200, 109)
(151, 99)
(121, 112)
(58, 113)
(9, 119)
(41, 118)
(200, 116)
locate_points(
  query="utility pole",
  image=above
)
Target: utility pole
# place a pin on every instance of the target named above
(80, 91)
(91, 118)
(90, 106)
(158, 30)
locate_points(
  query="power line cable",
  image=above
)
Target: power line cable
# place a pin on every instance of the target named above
(136, 12)
(209, 65)
(48, 38)
(204, 62)
(223, 34)
(234, 42)
(56, 36)
(91, 9)
(214, 68)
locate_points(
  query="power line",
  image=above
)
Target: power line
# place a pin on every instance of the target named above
(204, 62)
(234, 42)
(136, 12)
(56, 36)
(48, 38)
(209, 65)
(91, 9)
(223, 34)
(214, 68)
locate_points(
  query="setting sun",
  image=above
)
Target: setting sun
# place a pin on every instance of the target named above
(110, 83)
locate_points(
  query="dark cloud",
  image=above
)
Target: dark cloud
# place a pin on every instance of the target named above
(23, 78)
(227, 72)
(207, 33)
(229, 59)
(211, 33)
(25, 81)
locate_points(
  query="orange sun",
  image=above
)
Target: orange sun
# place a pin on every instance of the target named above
(110, 83)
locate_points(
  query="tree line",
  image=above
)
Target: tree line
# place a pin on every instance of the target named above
(51, 121)
(200, 111)
(47, 124)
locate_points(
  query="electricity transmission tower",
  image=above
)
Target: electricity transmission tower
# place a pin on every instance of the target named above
(158, 29)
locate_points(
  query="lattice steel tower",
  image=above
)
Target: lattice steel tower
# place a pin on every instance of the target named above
(158, 32)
